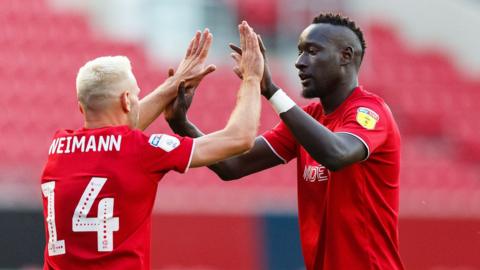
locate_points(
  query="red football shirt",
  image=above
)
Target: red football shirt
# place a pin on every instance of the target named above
(348, 218)
(98, 187)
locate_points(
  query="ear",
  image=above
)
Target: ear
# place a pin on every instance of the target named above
(125, 101)
(346, 56)
(80, 108)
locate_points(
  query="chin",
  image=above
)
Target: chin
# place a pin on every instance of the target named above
(309, 92)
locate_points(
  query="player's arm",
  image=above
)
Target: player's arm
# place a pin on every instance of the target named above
(191, 70)
(239, 133)
(260, 157)
(333, 150)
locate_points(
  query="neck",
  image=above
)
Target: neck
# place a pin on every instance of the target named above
(93, 120)
(338, 94)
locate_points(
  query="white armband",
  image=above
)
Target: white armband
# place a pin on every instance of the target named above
(281, 102)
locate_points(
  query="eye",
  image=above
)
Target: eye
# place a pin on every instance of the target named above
(312, 50)
(299, 51)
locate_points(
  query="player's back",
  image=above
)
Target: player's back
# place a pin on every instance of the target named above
(98, 188)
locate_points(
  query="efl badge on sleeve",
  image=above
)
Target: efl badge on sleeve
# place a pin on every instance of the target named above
(367, 118)
(163, 141)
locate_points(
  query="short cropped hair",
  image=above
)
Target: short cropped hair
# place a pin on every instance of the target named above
(337, 19)
(102, 78)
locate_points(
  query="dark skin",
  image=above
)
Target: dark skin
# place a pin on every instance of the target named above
(328, 63)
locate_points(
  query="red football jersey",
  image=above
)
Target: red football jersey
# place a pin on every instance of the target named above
(348, 218)
(98, 187)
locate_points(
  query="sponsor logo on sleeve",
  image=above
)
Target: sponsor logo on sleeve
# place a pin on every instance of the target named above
(166, 142)
(367, 118)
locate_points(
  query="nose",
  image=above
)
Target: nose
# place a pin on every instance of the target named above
(301, 62)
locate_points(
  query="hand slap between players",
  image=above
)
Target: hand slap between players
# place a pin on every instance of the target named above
(250, 63)
(191, 70)
(247, 66)
(267, 85)
(189, 74)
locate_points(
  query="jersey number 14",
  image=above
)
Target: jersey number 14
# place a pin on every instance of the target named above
(104, 224)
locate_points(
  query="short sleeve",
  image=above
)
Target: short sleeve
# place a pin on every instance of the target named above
(368, 121)
(281, 141)
(161, 153)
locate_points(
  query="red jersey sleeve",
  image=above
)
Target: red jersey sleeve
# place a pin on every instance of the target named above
(161, 153)
(368, 121)
(281, 140)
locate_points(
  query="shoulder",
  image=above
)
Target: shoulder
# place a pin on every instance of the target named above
(368, 102)
(370, 110)
(63, 133)
(157, 141)
(363, 95)
(164, 141)
(138, 134)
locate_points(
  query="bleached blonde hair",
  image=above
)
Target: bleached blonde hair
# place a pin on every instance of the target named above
(103, 78)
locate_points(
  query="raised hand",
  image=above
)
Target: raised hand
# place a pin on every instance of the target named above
(189, 74)
(192, 68)
(250, 63)
(267, 85)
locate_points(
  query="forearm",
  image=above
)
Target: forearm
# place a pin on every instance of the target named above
(259, 158)
(152, 105)
(185, 128)
(226, 169)
(321, 143)
(245, 117)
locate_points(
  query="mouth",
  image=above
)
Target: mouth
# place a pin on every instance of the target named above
(305, 78)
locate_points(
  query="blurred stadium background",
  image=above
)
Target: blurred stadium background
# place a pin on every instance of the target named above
(422, 57)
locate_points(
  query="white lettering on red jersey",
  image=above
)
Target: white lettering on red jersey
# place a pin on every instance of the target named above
(98, 187)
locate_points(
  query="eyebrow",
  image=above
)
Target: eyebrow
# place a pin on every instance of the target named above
(310, 44)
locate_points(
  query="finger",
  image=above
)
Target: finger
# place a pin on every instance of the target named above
(248, 39)
(181, 85)
(206, 47)
(190, 47)
(181, 92)
(241, 30)
(181, 96)
(236, 57)
(254, 40)
(195, 79)
(189, 92)
(209, 69)
(196, 43)
(237, 71)
(262, 46)
(235, 48)
(203, 40)
(171, 72)
(248, 29)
